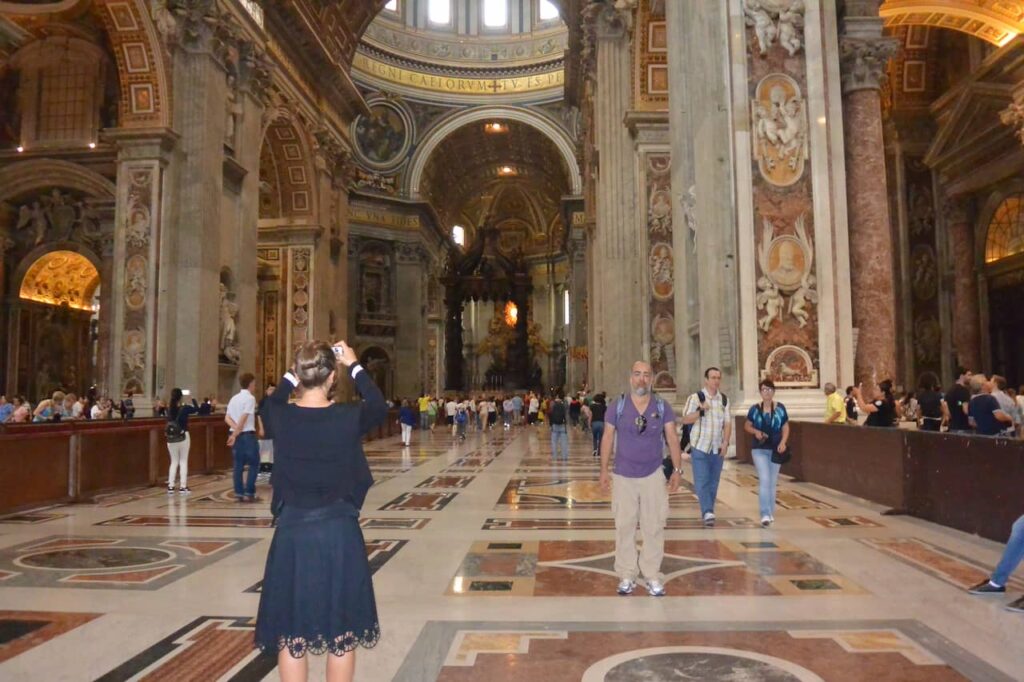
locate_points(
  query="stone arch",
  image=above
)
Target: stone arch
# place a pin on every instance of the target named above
(59, 275)
(987, 212)
(545, 126)
(989, 20)
(25, 176)
(288, 188)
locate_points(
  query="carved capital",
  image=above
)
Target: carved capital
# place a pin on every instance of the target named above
(1013, 116)
(612, 19)
(255, 71)
(863, 61)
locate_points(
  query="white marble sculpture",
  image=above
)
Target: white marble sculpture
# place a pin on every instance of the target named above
(228, 327)
(780, 20)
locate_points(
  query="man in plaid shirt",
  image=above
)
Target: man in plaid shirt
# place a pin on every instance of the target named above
(709, 437)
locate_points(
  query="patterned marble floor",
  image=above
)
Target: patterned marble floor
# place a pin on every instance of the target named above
(492, 562)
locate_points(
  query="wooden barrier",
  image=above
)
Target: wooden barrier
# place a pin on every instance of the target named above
(971, 483)
(44, 464)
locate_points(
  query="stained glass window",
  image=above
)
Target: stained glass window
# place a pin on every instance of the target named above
(1006, 230)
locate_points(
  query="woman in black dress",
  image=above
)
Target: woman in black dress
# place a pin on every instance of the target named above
(882, 410)
(317, 592)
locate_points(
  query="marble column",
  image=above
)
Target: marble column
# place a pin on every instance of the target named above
(966, 330)
(864, 53)
(707, 312)
(140, 264)
(616, 261)
(191, 342)
(410, 331)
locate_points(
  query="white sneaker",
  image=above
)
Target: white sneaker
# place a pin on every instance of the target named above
(655, 588)
(626, 586)
(709, 519)
(766, 521)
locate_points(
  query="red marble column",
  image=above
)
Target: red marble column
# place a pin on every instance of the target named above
(871, 239)
(966, 332)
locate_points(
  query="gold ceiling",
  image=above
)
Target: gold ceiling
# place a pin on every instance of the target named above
(61, 278)
(994, 21)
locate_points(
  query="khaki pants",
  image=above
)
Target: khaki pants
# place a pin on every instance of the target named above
(644, 500)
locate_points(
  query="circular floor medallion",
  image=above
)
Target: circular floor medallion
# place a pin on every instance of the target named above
(696, 663)
(93, 558)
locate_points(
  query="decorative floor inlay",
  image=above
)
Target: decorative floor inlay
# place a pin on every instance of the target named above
(419, 502)
(446, 482)
(224, 498)
(948, 566)
(32, 517)
(844, 522)
(208, 648)
(141, 563)
(392, 523)
(578, 568)
(595, 523)
(190, 521)
(146, 492)
(454, 651)
(791, 499)
(378, 553)
(24, 630)
(584, 492)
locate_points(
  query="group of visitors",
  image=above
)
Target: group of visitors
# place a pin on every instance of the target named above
(975, 404)
(63, 406)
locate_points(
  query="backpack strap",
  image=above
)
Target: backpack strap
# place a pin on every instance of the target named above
(660, 405)
(620, 407)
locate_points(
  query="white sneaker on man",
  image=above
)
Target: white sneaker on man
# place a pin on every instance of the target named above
(766, 521)
(655, 588)
(626, 586)
(709, 519)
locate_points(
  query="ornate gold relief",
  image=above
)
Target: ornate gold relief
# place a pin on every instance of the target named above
(779, 118)
(61, 278)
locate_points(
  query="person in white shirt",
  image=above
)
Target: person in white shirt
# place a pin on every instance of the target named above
(78, 408)
(245, 449)
(534, 409)
(100, 410)
(450, 408)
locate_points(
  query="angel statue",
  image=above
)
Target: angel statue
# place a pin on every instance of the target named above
(798, 302)
(770, 301)
(36, 217)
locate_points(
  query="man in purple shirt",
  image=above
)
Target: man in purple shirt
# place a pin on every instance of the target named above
(639, 492)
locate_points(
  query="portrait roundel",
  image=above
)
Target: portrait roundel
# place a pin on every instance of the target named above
(787, 262)
(383, 138)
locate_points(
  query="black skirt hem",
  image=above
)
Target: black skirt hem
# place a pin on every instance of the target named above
(339, 645)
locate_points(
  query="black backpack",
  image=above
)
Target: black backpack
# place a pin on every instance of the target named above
(557, 415)
(684, 440)
(173, 430)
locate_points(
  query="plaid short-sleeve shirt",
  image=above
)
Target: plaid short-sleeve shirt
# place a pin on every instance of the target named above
(707, 432)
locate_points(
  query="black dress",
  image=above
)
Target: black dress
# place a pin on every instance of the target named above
(317, 590)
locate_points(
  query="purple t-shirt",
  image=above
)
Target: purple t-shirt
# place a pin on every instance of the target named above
(637, 454)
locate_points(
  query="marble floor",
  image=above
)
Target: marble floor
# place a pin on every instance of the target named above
(493, 563)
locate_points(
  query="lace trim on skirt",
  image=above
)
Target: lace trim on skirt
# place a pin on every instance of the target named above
(298, 646)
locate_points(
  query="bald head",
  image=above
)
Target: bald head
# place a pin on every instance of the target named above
(640, 378)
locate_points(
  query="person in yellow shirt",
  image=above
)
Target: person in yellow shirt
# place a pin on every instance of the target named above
(424, 405)
(835, 408)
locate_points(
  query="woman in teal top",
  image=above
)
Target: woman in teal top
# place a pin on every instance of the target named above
(768, 423)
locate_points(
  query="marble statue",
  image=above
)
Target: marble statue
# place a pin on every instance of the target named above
(228, 327)
(689, 203)
(780, 20)
(801, 297)
(770, 301)
(35, 217)
(761, 19)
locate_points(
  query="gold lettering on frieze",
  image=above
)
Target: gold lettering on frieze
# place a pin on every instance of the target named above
(476, 86)
(384, 219)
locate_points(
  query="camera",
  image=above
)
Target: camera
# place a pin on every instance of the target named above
(185, 391)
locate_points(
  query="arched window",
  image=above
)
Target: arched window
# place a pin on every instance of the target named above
(459, 235)
(391, 5)
(1006, 230)
(547, 11)
(495, 13)
(439, 12)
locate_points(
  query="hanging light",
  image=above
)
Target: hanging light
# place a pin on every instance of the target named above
(511, 314)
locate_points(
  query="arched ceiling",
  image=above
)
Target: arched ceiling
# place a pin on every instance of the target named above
(470, 159)
(994, 21)
(61, 278)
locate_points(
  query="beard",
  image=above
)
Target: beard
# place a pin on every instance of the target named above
(641, 391)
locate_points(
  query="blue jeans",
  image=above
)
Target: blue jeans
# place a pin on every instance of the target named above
(707, 472)
(246, 450)
(424, 421)
(767, 480)
(597, 428)
(559, 440)
(1012, 556)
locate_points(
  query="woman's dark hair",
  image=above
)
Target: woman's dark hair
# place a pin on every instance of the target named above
(767, 383)
(886, 387)
(172, 409)
(928, 382)
(314, 363)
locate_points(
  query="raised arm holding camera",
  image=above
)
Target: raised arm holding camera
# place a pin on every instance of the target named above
(317, 591)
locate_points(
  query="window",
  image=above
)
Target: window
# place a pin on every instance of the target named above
(495, 13)
(548, 11)
(391, 5)
(439, 11)
(565, 303)
(1006, 230)
(459, 235)
(65, 101)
